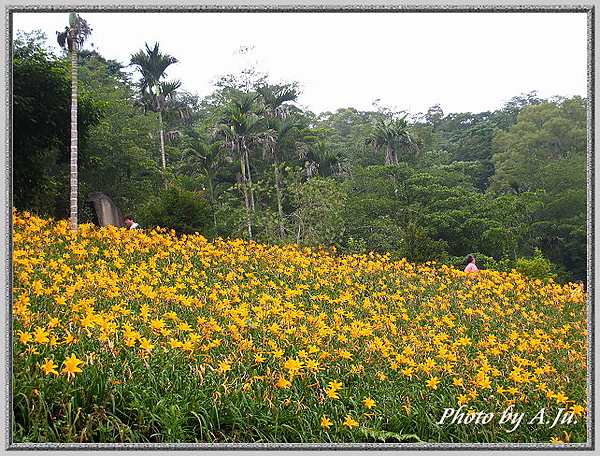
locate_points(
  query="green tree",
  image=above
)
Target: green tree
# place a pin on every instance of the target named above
(345, 131)
(434, 116)
(180, 210)
(561, 226)
(276, 98)
(152, 64)
(322, 159)
(119, 149)
(395, 137)
(544, 134)
(122, 163)
(282, 124)
(319, 217)
(377, 207)
(41, 91)
(546, 151)
(41, 128)
(509, 113)
(73, 38)
(204, 160)
(239, 131)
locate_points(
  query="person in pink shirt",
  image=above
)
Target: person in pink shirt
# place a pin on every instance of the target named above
(471, 267)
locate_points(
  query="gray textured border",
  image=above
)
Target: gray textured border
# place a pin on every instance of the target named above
(6, 160)
(591, 227)
(6, 223)
(307, 8)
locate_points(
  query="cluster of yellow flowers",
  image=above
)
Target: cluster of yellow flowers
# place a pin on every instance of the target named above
(285, 316)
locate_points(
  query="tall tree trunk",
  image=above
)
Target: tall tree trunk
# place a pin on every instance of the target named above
(162, 147)
(162, 142)
(249, 176)
(279, 201)
(213, 202)
(74, 143)
(161, 132)
(390, 156)
(299, 230)
(245, 191)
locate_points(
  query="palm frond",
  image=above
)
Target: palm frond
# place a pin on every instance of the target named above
(395, 136)
(169, 88)
(75, 34)
(275, 97)
(152, 63)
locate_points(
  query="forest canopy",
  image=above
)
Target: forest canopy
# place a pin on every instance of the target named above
(247, 162)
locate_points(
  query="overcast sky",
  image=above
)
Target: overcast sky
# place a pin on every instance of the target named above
(465, 62)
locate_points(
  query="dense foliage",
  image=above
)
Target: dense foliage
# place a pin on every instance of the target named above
(41, 126)
(503, 184)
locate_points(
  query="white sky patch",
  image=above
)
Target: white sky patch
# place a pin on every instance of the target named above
(466, 62)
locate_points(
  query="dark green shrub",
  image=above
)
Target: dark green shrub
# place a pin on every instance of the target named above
(181, 210)
(417, 247)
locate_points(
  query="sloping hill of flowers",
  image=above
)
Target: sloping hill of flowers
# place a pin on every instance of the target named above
(123, 336)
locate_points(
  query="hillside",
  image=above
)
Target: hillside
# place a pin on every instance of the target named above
(144, 336)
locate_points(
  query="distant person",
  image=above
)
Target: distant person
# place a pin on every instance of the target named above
(131, 223)
(471, 266)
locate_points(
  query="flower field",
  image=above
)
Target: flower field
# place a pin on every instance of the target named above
(123, 336)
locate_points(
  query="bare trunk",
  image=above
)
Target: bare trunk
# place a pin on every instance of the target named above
(161, 131)
(249, 175)
(162, 146)
(279, 202)
(299, 230)
(74, 143)
(245, 191)
(390, 156)
(213, 203)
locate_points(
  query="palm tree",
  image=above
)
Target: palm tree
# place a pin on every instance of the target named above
(281, 123)
(205, 160)
(73, 38)
(274, 97)
(152, 64)
(395, 137)
(240, 130)
(283, 133)
(322, 159)
(248, 126)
